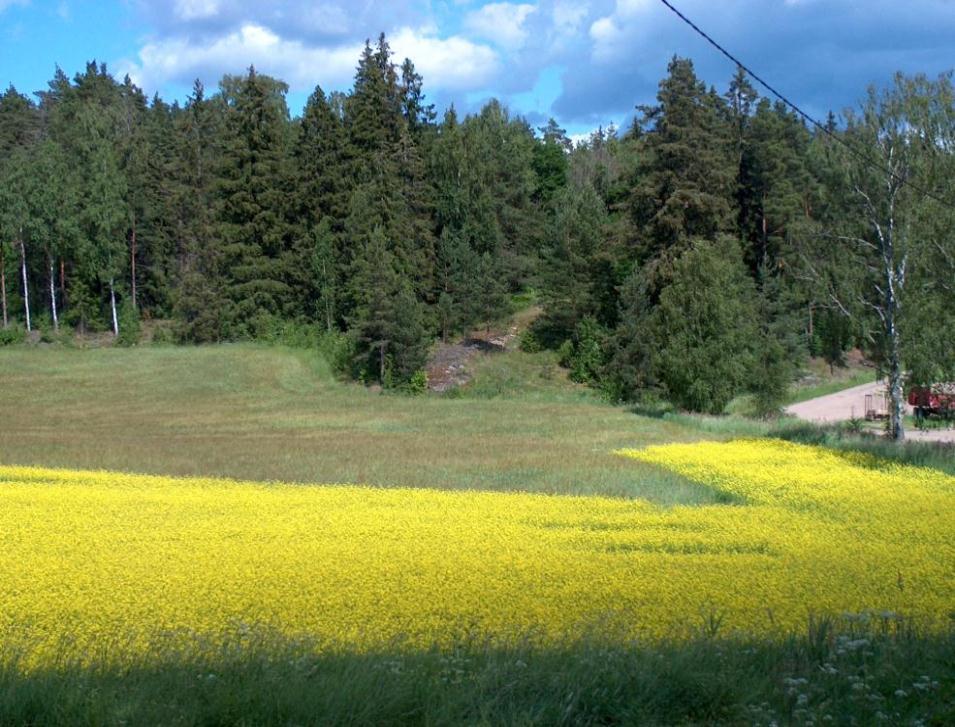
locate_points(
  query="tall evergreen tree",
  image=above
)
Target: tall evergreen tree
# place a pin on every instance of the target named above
(703, 329)
(577, 273)
(684, 182)
(200, 296)
(254, 185)
(387, 323)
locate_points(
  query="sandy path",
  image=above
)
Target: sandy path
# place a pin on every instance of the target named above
(838, 407)
(849, 403)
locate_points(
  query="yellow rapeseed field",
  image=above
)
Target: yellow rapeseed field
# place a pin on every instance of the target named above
(99, 565)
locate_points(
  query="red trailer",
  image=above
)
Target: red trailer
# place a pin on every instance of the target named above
(935, 400)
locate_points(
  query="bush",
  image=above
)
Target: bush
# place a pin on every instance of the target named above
(769, 382)
(292, 333)
(585, 356)
(530, 343)
(12, 335)
(418, 383)
(339, 350)
(130, 328)
(163, 334)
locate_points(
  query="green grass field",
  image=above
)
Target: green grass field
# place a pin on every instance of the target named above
(272, 413)
(254, 412)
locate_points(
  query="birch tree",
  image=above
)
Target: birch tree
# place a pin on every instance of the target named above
(51, 212)
(14, 215)
(104, 206)
(889, 260)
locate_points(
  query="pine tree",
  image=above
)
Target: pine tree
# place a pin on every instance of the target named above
(458, 280)
(577, 280)
(391, 191)
(419, 116)
(684, 181)
(373, 111)
(19, 121)
(320, 164)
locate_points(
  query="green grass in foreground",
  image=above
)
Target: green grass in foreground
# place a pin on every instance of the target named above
(269, 413)
(857, 675)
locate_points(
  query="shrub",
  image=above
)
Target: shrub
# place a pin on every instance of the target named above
(587, 352)
(418, 383)
(530, 343)
(130, 328)
(769, 381)
(12, 335)
(339, 350)
(163, 334)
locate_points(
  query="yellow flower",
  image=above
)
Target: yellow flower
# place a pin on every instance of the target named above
(100, 565)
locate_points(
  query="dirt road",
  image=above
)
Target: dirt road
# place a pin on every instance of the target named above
(841, 406)
(851, 403)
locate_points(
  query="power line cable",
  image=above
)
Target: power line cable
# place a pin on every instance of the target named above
(822, 127)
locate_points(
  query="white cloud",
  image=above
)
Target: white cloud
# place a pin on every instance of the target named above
(196, 9)
(632, 8)
(500, 23)
(610, 32)
(453, 63)
(606, 35)
(446, 64)
(181, 60)
(568, 15)
(329, 19)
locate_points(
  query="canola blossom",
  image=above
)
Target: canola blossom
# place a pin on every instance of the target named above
(101, 566)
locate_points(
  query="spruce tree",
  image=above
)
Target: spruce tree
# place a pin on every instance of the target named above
(200, 297)
(703, 330)
(419, 115)
(388, 321)
(550, 161)
(253, 188)
(574, 277)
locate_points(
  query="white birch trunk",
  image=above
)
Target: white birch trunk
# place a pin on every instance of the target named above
(3, 285)
(56, 320)
(26, 289)
(896, 378)
(112, 303)
(132, 266)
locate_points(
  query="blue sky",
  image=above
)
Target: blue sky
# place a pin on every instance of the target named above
(585, 63)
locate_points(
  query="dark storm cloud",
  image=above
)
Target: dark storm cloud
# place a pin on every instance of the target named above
(823, 54)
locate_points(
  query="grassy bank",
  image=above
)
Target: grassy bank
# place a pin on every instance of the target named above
(833, 673)
(264, 413)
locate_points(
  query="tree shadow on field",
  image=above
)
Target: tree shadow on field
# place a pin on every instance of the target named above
(596, 680)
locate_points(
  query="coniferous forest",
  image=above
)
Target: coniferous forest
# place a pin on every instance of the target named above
(703, 253)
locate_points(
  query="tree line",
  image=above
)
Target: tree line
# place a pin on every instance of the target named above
(702, 253)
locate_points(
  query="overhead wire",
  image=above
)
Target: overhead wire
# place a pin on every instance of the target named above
(822, 127)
